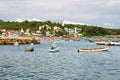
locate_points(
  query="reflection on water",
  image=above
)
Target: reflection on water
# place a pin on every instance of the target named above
(16, 64)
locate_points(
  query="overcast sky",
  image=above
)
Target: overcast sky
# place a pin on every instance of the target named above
(94, 12)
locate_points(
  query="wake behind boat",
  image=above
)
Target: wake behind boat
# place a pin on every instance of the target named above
(93, 49)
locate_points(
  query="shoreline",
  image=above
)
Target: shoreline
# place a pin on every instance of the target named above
(10, 40)
(19, 39)
(27, 39)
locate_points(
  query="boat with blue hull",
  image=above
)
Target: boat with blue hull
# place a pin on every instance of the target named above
(54, 47)
(54, 50)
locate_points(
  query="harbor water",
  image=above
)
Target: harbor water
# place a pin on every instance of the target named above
(67, 64)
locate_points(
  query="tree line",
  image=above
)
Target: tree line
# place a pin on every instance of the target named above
(34, 25)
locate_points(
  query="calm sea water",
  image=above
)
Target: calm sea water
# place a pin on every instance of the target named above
(68, 64)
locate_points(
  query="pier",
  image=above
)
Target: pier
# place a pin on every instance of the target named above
(20, 40)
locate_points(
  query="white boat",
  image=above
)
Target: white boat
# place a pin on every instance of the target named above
(94, 49)
(54, 49)
(113, 44)
(16, 44)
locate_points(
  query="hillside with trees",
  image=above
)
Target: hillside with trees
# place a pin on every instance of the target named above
(34, 26)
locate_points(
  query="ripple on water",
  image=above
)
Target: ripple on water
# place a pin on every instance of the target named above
(15, 64)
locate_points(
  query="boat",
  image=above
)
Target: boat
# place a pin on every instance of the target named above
(54, 50)
(30, 47)
(54, 47)
(100, 42)
(113, 44)
(16, 44)
(93, 49)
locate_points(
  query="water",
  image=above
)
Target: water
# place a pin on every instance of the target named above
(68, 64)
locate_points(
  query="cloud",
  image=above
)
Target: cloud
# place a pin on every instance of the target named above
(21, 20)
(112, 25)
(87, 11)
(71, 22)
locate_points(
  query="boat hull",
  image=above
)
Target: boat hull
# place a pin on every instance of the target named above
(113, 44)
(100, 42)
(29, 49)
(93, 49)
(54, 50)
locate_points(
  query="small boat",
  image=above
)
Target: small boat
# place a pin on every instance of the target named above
(30, 47)
(94, 49)
(54, 49)
(113, 44)
(16, 44)
(100, 42)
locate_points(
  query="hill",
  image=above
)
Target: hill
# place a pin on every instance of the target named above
(86, 30)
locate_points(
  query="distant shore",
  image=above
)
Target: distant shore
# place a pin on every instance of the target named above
(10, 40)
(27, 39)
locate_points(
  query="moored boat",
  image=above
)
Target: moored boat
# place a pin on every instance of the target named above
(29, 49)
(54, 47)
(16, 44)
(100, 42)
(93, 49)
(113, 44)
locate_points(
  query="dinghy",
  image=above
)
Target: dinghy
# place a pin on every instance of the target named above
(93, 49)
(54, 47)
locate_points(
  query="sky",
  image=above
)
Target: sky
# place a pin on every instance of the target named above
(104, 13)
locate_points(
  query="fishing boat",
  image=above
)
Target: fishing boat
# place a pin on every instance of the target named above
(30, 47)
(100, 42)
(93, 49)
(113, 44)
(54, 47)
(16, 44)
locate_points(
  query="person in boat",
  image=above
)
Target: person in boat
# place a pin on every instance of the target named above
(54, 45)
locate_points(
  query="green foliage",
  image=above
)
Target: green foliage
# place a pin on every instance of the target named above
(34, 25)
(61, 33)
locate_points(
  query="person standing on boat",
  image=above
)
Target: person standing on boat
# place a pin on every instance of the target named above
(54, 45)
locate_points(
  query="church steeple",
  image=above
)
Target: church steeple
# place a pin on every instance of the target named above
(62, 21)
